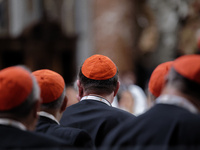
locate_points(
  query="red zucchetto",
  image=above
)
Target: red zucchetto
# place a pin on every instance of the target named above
(189, 67)
(157, 79)
(15, 86)
(99, 67)
(51, 84)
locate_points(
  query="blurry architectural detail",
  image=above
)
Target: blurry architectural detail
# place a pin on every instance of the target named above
(168, 14)
(52, 8)
(84, 29)
(136, 34)
(21, 14)
(163, 20)
(38, 38)
(114, 31)
(4, 20)
(46, 46)
(189, 36)
(149, 35)
(68, 17)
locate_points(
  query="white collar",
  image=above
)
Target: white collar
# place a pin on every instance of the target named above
(48, 115)
(177, 100)
(13, 123)
(96, 98)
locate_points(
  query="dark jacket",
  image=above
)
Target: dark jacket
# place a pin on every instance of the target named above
(162, 127)
(72, 136)
(14, 138)
(96, 117)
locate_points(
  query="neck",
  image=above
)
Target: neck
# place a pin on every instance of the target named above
(171, 91)
(29, 122)
(55, 113)
(13, 123)
(109, 97)
(29, 125)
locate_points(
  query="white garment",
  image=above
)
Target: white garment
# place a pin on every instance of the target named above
(140, 105)
(96, 98)
(115, 102)
(178, 101)
(140, 100)
(13, 123)
(48, 115)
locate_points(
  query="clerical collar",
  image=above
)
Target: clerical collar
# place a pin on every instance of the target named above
(177, 100)
(13, 123)
(48, 115)
(96, 98)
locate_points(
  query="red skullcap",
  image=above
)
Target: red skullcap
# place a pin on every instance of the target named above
(51, 84)
(15, 86)
(99, 67)
(189, 67)
(157, 79)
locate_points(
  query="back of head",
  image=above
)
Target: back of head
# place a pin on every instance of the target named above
(18, 92)
(99, 74)
(184, 76)
(52, 87)
(157, 79)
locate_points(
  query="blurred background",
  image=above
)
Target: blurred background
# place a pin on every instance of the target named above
(60, 34)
